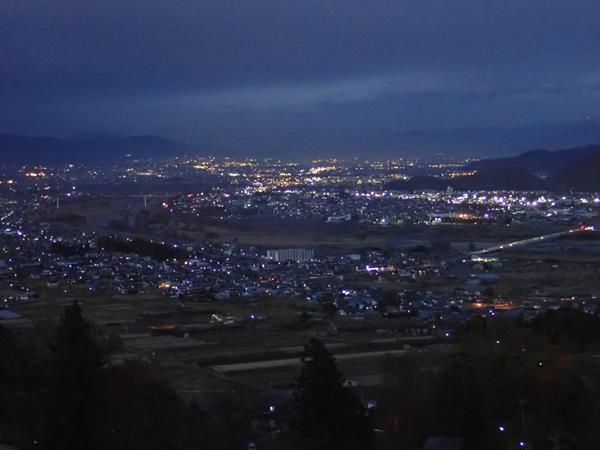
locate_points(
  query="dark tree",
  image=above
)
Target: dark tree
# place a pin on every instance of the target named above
(142, 412)
(16, 376)
(141, 247)
(499, 369)
(78, 361)
(388, 298)
(572, 329)
(329, 416)
(329, 308)
(71, 398)
(460, 404)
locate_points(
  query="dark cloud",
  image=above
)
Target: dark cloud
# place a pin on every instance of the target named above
(265, 72)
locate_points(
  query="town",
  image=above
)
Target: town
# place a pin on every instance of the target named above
(216, 272)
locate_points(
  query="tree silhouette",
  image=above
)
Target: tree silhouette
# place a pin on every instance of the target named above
(78, 361)
(329, 416)
(71, 398)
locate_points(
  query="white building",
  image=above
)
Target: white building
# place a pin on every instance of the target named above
(291, 254)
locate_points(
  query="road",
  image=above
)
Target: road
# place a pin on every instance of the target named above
(6, 216)
(524, 242)
(277, 363)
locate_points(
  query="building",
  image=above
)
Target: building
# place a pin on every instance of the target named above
(291, 254)
(339, 219)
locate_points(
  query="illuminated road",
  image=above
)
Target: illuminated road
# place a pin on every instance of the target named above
(533, 240)
(6, 216)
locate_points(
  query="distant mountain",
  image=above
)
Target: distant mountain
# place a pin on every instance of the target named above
(506, 179)
(576, 169)
(541, 162)
(583, 175)
(486, 141)
(418, 183)
(96, 147)
(90, 135)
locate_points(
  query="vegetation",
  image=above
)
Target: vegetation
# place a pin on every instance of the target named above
(504, 382)
(67, 397)
(329, 416)
(570, 328)
(67, 250)
(141, 247)
(509, 382)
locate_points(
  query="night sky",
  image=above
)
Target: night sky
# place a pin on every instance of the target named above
(282, 76)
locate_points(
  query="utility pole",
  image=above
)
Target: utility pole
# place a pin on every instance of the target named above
(555, 440)
(522, 402)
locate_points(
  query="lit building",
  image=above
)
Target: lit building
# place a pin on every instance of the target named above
(291, 254)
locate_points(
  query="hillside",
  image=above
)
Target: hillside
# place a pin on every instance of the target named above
(575, 169)
(505, 179)
(542, 162)
(583, 175)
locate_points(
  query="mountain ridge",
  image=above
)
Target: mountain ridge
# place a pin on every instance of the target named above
(573, 169)
(540, 161)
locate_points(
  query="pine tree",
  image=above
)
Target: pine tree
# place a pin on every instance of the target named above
(78, 362)
(329, 416)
